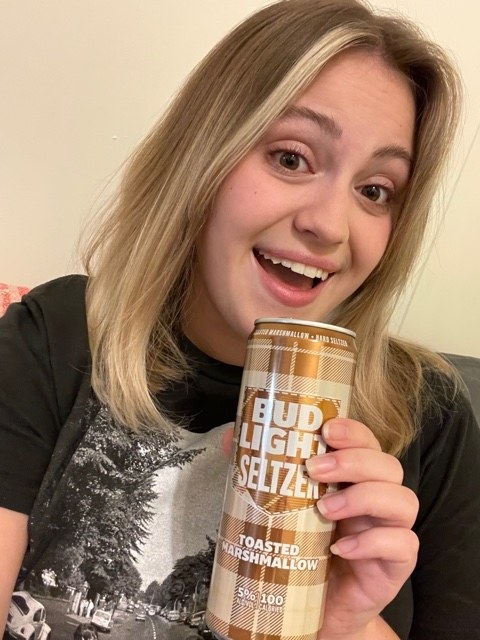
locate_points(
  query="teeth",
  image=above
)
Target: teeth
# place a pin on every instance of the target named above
(298, 267)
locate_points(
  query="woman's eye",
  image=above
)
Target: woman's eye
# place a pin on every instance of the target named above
(291, 161)
(376, 193)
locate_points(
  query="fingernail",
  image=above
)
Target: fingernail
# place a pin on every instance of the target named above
(334, 430)
(331, 502)
(344, 545)
(320, 464)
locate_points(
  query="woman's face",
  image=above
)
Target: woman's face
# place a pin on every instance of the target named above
(305, 217)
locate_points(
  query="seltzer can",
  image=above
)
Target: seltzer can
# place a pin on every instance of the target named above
(272, 556)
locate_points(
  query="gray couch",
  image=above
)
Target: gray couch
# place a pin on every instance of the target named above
(469, 369)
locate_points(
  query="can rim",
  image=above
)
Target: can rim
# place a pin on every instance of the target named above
(307, 323)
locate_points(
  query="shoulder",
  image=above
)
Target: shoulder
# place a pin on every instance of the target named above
(447, 445)
(433, 383)
(446, 427)
(469, 369)
(45, 358)
(47, 334)
(444, 396)
(446, 420)
(58, 307)
(62, 296)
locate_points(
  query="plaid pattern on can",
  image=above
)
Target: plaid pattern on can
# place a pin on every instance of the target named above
(271, 563)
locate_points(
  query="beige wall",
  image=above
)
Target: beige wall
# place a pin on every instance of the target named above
(83, 80)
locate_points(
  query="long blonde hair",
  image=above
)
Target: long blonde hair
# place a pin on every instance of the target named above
(140, 261)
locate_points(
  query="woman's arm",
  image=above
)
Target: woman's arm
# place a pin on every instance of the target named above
(377, 629)
(13, 544)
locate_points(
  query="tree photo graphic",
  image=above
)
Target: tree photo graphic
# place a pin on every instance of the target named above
(93, 532)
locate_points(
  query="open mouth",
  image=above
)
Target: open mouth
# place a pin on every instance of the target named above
(293, 274)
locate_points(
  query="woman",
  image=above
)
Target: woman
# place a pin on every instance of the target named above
(292, 176)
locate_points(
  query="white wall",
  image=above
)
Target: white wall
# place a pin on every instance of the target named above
(83, 80)
(442, 307)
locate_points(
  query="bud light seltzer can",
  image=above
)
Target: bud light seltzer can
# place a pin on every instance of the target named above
(270, 571)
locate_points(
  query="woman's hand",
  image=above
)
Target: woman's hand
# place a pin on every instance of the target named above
(375, 549)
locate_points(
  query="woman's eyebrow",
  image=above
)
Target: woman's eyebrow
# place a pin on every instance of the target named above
(326, 123)
(394, 151)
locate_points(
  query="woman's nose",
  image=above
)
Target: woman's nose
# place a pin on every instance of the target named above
(325, 215)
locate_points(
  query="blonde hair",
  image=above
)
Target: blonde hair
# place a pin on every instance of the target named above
(141, 259)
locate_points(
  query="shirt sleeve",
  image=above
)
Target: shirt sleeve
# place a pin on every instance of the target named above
(44, 356)
(446, 581)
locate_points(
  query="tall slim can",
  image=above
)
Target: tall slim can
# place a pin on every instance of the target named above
(271, 563)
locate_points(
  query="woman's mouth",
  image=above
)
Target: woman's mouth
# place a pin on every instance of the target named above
(297, 275)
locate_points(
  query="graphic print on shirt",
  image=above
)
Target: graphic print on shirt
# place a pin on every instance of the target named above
(127, 538)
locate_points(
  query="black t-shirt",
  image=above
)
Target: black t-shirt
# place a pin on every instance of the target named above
(136, 516)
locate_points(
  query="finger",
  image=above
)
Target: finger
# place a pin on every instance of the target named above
(389, 505)
(380, 560)
(342, 433)
(227, 441)
(355, 465)
(397, 547)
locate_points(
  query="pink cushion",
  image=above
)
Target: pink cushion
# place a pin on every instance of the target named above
(10, 293)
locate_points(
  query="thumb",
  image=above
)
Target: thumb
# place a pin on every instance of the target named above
(227, 441)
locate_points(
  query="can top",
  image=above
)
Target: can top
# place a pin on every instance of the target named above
(307, 323)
